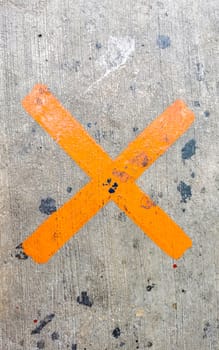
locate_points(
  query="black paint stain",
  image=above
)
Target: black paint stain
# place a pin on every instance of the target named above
(150, 287)
(74, 347)
(206, 114)
(183, 290)
(163, 41)
(189, 149)
(116, 333)
(113, 188)
(21, 255)
(185, 191)
(39, 35)
(55, 336)
(69, 189)
(41, 344)
(84, 299)
(98, 45)
(43, 323)
(47, 206)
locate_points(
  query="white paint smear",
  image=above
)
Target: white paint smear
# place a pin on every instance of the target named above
(117, 53)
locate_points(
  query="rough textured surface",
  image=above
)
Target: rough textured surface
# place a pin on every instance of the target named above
(115, 66)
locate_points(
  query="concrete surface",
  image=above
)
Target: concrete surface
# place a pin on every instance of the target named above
(115, 65)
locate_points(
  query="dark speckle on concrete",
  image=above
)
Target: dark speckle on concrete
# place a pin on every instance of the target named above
(122, 216)
(47, 206)
(39, 35)
(203, 190)
(193, 174)
(89, 125)
(74, 347)
(200, 72)
(196, 104)
(189, 149)
(135, 243)
(206, 113)
(135, 129)
(84, 299)
(206, 329)
(185, 191)
(149, 344)
(98, 45)
(42, 324)
(163, 41)
(20, 254)
(121, 344)
(183, 291)
(72, 65)
(55, 336)
(116, 332)
(41, 344)
(133, 87)
(69, 189)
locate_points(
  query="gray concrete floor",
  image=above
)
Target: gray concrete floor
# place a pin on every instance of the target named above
(115, 65)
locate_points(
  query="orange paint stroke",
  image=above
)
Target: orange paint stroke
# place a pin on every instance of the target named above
(111, 179)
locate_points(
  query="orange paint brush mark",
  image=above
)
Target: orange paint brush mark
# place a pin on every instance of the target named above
(110, 179)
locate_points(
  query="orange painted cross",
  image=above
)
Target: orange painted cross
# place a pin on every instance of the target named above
(110, 179)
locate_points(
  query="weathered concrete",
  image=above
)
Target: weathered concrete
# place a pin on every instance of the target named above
(115, 65)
